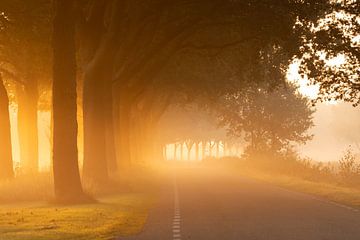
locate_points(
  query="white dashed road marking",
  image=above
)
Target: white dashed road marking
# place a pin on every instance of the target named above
(176, 227)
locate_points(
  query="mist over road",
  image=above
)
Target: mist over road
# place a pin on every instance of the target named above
(198, 204)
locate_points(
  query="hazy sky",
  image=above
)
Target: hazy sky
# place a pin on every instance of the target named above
(336, 127)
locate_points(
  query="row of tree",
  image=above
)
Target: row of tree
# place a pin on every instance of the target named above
(134, 59)
(199, 151)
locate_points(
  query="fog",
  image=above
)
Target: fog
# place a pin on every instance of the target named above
(336, 128)
(121, 116)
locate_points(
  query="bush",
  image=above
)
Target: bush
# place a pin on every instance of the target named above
(349, 168)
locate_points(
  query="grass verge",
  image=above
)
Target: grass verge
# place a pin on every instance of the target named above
(113, 216)
(332, 192)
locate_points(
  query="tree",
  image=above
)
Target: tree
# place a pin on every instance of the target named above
(329, 55)
(26, 60)
(190, 125)
(65, 152)
(128, 44)
(6, 161)
(270, 120)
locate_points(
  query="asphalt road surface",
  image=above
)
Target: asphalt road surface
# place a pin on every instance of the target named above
(203, 205)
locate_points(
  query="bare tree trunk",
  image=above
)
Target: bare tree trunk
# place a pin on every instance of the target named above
(65, 162)
(28, 128)
(6, 161)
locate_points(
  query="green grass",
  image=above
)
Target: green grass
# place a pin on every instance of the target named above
(332, 192)
(117, 215)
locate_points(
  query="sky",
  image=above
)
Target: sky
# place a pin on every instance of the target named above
(336, 127)
(337, 124)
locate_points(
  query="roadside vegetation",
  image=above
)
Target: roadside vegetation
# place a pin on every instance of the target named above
(272, 125)
(112, 216)
(28, 210)
(334, 181)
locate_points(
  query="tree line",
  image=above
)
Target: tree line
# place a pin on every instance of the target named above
(132, 60)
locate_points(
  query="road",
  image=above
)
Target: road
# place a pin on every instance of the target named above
(201, 205)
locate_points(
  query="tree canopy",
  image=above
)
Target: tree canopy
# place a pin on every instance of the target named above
(269, 120)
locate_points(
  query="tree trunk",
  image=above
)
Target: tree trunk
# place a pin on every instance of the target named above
(110, 132)
(124, 138)
(197, 151)
(65, 153)
(203, 148)
(217, 149)
(211, 147)
(137, 142)
(6, 161)
(189, 148)
(225, 151)
(28, 128)
(95, 121)
(175, 151)
(182, 151)
(149, 145)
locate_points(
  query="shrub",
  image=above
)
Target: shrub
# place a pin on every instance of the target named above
(349, 168)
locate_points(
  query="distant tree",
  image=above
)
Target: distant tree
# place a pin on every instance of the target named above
(190, 125)
(6, 161)
(270, 119)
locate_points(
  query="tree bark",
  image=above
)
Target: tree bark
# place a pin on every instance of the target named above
(28, 128)
(6, 161)
(65, 152)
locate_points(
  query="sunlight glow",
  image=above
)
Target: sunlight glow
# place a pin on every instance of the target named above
(44, 138)
(310, 91)
(305, 88)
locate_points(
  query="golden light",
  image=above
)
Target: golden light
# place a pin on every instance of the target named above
(310, 91)
(305, 88)
(44, 138)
